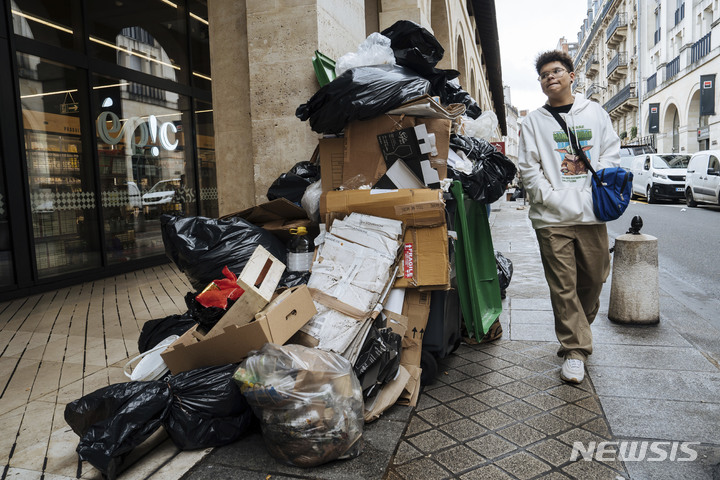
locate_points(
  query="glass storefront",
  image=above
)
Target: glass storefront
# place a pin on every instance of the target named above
(7, 272)
(117, 130)
(60, 173)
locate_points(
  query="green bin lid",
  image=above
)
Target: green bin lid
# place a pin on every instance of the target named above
(324, 68)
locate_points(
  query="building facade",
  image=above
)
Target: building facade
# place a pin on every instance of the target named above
(606, 63)
(108, 119)
(678, 70)
(652, 65)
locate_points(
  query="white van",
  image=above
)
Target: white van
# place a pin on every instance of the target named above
(659, 176)
(702, 184)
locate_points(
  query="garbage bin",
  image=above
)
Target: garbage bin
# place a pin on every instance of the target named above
(477, 279)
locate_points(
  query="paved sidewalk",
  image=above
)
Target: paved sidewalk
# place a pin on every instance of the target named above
(494, 411)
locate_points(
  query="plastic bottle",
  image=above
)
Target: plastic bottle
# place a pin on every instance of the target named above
(300, 251)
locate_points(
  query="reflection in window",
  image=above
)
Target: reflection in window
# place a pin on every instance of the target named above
(145, 171)
(154, 43)
(48, 21)
(200, 44)
(206, 158)
(61, 185)
(6, 260)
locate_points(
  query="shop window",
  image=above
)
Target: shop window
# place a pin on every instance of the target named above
(205, 140)
(145, 168)
(60, 173)
(7, 271)
(49, 21)
(142, 32)
(200, 44)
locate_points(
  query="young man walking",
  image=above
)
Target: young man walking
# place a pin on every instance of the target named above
(573, 242)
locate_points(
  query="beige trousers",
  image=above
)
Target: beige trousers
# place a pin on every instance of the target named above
(576, 260)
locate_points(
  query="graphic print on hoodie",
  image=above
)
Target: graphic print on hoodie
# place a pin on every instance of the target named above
(572, 168)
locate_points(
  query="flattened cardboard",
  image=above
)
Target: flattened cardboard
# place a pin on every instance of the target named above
(332, 161)
(362, 150)
(277, 217)
(276, 324)
(425, 261)
(388, 395)
(417, 310)
(411, 392)
(415, 207)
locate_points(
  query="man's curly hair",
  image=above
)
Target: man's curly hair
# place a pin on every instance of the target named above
(554, 56)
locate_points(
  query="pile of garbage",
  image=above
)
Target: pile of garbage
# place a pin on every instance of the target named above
(312, 313)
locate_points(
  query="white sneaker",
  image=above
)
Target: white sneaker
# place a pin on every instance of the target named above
(573, 370)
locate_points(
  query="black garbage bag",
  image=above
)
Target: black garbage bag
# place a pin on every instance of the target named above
(414, 46)
(292, 185)
(293, 279)
(378, 361)
(453, 93)
(504, 269)
(492, 171)
(207, 317)
(157, 330)
(361, 93)
(201, 247)
(200, 408)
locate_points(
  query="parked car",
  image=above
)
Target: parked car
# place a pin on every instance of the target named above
(162, 192)
(659, 176)
(702, 184)
(134, 197)
(629, 152)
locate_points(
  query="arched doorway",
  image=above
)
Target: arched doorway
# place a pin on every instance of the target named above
(669, 138)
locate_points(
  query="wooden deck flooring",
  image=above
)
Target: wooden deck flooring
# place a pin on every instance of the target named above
(56, 347)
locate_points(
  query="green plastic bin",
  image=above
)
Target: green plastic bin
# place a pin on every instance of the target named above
(324, 68)
(478, 284)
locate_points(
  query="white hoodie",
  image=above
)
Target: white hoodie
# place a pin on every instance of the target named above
(556, 181)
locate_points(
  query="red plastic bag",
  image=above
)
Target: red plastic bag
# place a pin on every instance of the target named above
(220, 291)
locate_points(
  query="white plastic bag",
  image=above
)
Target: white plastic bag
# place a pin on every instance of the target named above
(375, 50)
(482, 127)
(310, 201)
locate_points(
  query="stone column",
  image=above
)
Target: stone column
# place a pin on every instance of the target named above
(634, 293)
(262, 71)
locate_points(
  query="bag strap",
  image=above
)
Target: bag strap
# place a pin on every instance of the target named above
(573, 141)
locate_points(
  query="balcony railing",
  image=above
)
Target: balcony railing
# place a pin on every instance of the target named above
(652, 82)
(590, 62)
(656, 36)
(680, 13)
(628, 92)
(620, 20)
(619, 60)
(700, 48)
(672, 68)
(593, 89)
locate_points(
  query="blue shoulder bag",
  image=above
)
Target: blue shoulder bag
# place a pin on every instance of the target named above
(611, 187)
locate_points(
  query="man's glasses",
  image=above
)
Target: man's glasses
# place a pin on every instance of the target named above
(555, 72)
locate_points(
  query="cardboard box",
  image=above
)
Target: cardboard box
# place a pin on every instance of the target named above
(276, 216)
(441, 129)
(279, 321)
(332, 160)
(417, 310)
(414, 207)
(259, 280)
(425, 261)
(362, 150)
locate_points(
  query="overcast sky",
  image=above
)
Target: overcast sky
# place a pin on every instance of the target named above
(526, 28)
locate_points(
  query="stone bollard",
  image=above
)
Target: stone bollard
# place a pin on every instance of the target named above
(634, 297)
